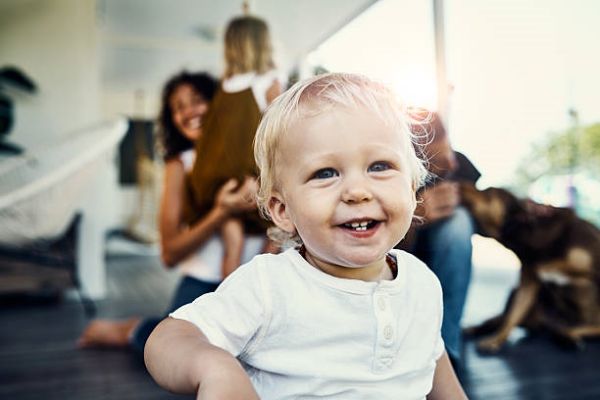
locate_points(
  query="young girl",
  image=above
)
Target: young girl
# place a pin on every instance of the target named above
(225, 150)
(193, 248)
(342, 316)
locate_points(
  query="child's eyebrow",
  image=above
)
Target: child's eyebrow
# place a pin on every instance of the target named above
(388, 149)
(314, 163)
(319, 158)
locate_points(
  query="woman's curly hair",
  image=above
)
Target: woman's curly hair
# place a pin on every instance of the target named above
(171, 141)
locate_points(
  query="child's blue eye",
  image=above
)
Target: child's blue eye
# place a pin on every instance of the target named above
(325, 173)
(379, 166)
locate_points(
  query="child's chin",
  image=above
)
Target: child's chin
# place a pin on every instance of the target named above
(361, 261)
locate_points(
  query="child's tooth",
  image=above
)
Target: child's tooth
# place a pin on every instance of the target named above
(355, 224)
(363, 224)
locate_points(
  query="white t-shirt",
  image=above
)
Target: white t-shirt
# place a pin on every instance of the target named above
(205, 263)
(301, 333)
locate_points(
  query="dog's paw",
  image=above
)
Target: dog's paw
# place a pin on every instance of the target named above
(569, 339)
(580, 344)
(490, 345)
(576, 344)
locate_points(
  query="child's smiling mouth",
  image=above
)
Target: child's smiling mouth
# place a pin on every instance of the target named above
(360, 225)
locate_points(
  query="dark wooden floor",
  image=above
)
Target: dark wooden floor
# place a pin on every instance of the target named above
(529, 367)
(38, 355)
(39, 359)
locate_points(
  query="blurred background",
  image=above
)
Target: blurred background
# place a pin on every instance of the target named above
(516, 82)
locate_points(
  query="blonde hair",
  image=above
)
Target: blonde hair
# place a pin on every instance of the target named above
(317, 95)
(247, 46)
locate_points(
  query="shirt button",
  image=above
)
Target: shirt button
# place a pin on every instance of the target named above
(388, 332)
(386, 361)
(381, 304)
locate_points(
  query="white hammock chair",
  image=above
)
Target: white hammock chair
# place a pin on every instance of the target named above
(40, 191)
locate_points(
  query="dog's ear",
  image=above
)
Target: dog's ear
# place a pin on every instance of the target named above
(468, 193)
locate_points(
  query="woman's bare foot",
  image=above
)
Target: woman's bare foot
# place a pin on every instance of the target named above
(107, 333)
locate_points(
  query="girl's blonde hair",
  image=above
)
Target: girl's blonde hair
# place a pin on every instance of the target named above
(247, 46)
(317, 95)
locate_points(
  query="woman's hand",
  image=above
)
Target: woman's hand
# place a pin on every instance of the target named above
(234, 199)
(178, 240)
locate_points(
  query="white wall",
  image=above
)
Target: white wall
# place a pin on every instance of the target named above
(55, 43)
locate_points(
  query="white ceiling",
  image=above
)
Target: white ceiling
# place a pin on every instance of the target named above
(145, 41)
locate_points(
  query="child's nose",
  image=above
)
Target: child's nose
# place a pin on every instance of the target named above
(356, 191)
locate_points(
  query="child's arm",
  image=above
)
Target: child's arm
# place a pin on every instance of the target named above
(232, 235)
(445, 383)
(180, 359)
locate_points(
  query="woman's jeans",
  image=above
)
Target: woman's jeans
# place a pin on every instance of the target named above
(187, 291)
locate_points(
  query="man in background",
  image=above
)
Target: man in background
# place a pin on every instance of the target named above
(442, 238)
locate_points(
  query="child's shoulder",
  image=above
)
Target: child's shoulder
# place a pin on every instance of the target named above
(267, 263)
(269, 260)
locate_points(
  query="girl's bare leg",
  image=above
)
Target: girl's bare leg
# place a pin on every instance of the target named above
(232, 234)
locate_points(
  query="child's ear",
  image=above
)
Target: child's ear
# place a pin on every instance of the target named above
(279, 214)
(414, 201)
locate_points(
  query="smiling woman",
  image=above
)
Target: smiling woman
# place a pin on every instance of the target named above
(188, 108)
(195, 249)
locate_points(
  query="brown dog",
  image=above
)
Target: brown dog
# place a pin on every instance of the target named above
(559, 288)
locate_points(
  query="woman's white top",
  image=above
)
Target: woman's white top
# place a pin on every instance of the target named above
(205, 263)
(304, 334)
